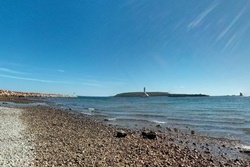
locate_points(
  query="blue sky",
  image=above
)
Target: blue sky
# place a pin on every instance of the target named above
(104, 47)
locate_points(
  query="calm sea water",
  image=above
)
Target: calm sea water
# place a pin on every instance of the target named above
(226, 117)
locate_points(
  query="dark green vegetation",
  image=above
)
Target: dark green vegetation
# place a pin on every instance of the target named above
(140, 94)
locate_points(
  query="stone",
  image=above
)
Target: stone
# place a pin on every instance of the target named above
(148, 134)
(121, 133)
(158, 126)
(169, 129)
(245, 151)
(192, 132)
(207, 151)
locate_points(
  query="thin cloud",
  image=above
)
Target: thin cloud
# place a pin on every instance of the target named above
(234, 40)
(229, 27)
(32, 79)
(60, 71)
(230, 41)
(98, 83)
(91, 84)
(47, 81)
(199, 19)
(11, 71)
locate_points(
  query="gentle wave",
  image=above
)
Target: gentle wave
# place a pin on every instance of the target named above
(244, 147)
(147, 115)
(211, 121)
(140, 120)
(246, 130)
(159, 122)
(91, 109)
(111, 119)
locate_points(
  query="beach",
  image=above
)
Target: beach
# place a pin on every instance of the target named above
(56, 137)
(16, 147)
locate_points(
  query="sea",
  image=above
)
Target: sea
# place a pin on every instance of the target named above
(220, 117)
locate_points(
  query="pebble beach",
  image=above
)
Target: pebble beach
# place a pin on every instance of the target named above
(16, 147)
(45, 136)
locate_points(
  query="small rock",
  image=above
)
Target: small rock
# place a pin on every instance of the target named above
(171, 139)
(169, 129)
(158, 126)
(121, 133)
(207, 152)
(192, 132)
(148, 134)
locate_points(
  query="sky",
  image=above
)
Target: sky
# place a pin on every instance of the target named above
(105, 47)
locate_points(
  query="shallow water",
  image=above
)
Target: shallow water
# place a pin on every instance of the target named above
(223, 117)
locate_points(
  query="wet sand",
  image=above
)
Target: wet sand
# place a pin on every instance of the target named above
(63, 138)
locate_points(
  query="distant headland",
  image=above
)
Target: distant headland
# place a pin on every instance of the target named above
(141, 94)
(29, 94)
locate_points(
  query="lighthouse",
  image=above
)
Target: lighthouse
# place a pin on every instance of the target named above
(145, 93)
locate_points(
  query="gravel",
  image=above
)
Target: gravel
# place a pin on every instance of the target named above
(44, 136)
(67, 139)
(15, 145)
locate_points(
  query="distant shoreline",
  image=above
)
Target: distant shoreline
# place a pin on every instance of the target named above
(29, 94)
(140, 94)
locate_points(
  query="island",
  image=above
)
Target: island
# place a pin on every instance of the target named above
(141, 94)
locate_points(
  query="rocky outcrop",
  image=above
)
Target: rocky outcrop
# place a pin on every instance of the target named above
(29, 94)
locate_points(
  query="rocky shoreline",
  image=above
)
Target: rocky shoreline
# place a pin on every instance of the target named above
(66, 138)
(8, 93)
(63, 138)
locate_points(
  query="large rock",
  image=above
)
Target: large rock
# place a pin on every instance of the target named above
(147, 134)
(121, 133)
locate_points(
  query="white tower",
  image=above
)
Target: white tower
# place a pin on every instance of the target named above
(145, 93)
